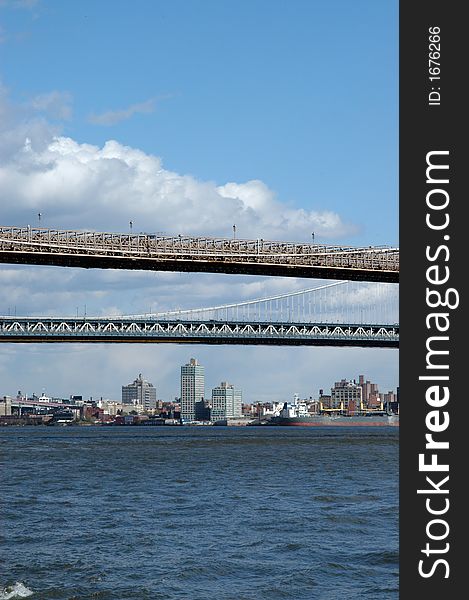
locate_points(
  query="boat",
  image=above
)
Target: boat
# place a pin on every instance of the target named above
(296, 413)
(62, 417)
(321, 420)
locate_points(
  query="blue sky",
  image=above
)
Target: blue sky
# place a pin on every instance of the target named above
(279, 116)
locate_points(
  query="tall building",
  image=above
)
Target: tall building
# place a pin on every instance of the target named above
(139, 392)
(370, 392)
(226, 402)
(192, 389)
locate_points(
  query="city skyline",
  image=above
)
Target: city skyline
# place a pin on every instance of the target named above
(253, 135)
(132, 394)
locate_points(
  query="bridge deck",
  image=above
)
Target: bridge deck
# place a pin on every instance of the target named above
(86, 249)
(93, 330)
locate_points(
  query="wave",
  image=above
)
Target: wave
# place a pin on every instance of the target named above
(383, 557)
(18, 590)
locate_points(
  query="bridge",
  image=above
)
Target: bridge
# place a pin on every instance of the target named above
(312, 317)
(37, 403)
(145, 251)
(205, 332)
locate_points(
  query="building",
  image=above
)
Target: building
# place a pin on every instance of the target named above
(5, 406)
(346, 396)
(389, 398)
(226, 402)
(192, 389)
(370, 393)
(140, 392)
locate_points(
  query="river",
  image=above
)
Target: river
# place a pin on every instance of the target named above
(199, 513)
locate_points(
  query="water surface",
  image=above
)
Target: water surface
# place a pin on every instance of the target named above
(198, 513)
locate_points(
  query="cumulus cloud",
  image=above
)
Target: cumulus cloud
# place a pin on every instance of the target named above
(111, 117)
(54, 104)
(83, 186)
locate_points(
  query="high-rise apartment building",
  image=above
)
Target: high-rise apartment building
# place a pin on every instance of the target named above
(139, 392)
(192, 388)
(226, 402)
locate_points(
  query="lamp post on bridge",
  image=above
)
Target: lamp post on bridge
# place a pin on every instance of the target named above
(234, 232)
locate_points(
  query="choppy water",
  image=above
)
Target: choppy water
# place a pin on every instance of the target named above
(199, 513)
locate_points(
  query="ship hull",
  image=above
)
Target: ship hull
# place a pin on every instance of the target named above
(319, 421)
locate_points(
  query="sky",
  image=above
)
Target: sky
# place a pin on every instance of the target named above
(189, 117)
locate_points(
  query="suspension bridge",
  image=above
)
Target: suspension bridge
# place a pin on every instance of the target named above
(144, 251)
(341, 313)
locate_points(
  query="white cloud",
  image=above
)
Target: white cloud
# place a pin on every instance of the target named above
(21, 126)
(54, 104)
(111, 117)
(83, 186)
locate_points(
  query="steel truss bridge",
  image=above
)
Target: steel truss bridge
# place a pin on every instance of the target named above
(88, 249)
(313, 317)
(192, 332)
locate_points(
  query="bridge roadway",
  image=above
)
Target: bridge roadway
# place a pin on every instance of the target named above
(29, 403)
(34, 330)
(87, 249)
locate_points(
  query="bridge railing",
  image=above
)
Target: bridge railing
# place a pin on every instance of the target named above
(146, 245)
